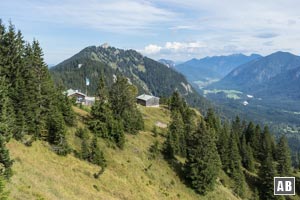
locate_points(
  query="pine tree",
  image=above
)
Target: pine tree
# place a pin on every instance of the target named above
(266, 149)
(283, 157)
(235, 167)
(101, 113)
(5, 160)
(247, 155)
(117, 133)
(7, 119)
(223, 145)
(96, 155)
(267, 174)
(123, 104)
(203, 163)
(175, 143)
(237, 129)
(176, 102)
(212, 120)
(85, 152)
(56, 133)
(255, 141)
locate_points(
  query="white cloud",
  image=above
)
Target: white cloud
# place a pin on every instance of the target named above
(175, 49)
(106, 15)
(152, 49)
(172, 28)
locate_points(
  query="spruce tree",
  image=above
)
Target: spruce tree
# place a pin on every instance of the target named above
(212, 120)
(7, 119)
(101, 113)
(56, 133)
(85, 152)
(176, 142)
(235, 167)
(247, 155)
(176, 102)
(256, 141)
(117, 133)
(283, 157)
(223, 145)
(5, 160)
(203, 162)
(267, 174)
(123, 104)
(96, 155)
(266, 149)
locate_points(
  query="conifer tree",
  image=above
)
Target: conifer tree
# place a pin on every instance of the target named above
(250, 132)
(101, 113)
(56, 133)
(267, 174)
(256, 141)
(237, 129)
(223, 145)
(175, 143)
(266, 149)
(247, 155)
(5, 160)
(96, 155)
(123, 104)
(85, 152)
(203, 163)
(283, 157)
(212, 120)
(117, 133)
(175, 102)
(235, 167)
(7, 119)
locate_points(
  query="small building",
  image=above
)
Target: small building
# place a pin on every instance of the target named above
(148, 100)
(80, 97)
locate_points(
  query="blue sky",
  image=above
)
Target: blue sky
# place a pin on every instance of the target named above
(173, 29)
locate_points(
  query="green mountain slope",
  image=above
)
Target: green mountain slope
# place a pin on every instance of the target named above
(41, 174)
(148, 75)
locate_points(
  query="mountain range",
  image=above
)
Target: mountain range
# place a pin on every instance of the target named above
(215, 67)
(276, 75)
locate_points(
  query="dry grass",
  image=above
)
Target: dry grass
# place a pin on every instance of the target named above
(41, 174)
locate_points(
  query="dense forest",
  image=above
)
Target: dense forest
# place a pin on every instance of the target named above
(247, 153)
(198, 148)
(31, 107)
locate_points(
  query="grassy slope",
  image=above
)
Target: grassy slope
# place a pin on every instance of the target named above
(41, 174)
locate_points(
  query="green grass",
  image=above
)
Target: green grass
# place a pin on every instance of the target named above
(41, 174)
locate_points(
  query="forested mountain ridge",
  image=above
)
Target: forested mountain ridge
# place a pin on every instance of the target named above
(148, 75)
(261, 73)
(214, 67)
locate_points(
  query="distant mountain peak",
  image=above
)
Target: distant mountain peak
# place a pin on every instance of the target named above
(281, 53)
(105, 45)
(214, 67)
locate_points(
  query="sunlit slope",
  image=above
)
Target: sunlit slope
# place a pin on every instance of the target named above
(41, 174)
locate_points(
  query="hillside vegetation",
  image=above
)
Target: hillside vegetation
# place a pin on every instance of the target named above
(39, 173)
